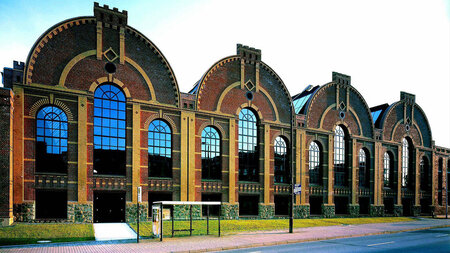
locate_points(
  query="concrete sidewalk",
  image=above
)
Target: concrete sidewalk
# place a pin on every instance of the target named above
(241, 240)
(113, 231)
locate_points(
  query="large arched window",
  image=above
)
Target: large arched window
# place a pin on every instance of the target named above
(405, 162)
(211, 157)
(388, 170)
(51, 140)
(109, 130)
(159, 149)
(314, 164)
(248, 146)
(281, 161)
(364, 170)
(340, 171)
(424, 174)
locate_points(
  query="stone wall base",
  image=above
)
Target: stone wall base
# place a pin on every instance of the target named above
(4, 222)
(353, 210)
(24, 212)
(181, 212)
(376, 211)
(80, 213)
(131, 212)
(416, 210)
(301, 211)
(266, 211)
(398, 210)
(230, 211)
(328, 210)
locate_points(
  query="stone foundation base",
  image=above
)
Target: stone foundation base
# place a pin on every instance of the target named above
(4, 222)
(181, 212)
(266, 211)
(328, 210)
(376, 211)
(131, 212)
(24, 212)
(230, 211)
(80, 213)
(398, 210)
(353, 210)
(301, 211)
(416, 210)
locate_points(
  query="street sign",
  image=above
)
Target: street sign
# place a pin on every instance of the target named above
(139, 192)
(297, 188)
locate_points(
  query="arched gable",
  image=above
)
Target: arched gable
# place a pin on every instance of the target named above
(73, 53)
(227, 84)
(336, 103)
(406, 118)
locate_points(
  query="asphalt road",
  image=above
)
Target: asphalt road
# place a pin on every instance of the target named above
(432, 240)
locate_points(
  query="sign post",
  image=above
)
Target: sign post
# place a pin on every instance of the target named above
(139, 199)
(297, 189)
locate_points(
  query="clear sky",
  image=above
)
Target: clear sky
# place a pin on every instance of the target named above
(385, 46)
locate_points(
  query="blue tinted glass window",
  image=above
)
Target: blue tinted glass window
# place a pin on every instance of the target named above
(248, 146)
(109, 119)
(314, 164)
(109, 130)
(339, 157)
(51, 126)
(281, 161)
(211, 159)
(51, 140)
(159, 149)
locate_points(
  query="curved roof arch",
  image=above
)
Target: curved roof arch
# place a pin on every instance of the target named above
(90, 51)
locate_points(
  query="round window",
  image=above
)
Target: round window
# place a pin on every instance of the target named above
(110, 67)
(249, 95)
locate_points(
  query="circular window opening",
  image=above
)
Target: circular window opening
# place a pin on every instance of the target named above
(110, 67)
(407, 127)
(249, 95)
(341, 115)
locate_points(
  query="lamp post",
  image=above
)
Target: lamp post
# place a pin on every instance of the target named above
(446, 202)
(291, 209)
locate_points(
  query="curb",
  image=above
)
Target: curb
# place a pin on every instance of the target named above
(254, 245)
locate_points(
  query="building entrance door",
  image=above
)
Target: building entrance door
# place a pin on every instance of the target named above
(109, 206)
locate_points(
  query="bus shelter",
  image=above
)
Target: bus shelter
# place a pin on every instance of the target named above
(157, 211)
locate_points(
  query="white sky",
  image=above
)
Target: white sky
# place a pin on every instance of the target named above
(385, 46)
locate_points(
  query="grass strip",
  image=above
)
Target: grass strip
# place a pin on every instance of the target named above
(32, 233)
(238, 226)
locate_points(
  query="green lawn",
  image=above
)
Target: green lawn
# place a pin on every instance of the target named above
(31, 233)
(236, 226)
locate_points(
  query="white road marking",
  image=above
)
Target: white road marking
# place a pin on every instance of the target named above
(376, 244)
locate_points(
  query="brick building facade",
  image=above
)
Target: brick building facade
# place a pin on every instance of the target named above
(96, 112)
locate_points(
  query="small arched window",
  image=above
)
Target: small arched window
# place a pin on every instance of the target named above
(387, 170)
(51, 140)
(159, 149)
(281, 161)
(314, 164)
(211, 157)
(109, 130)
(424, 174)
(364, 174)
(340, 171)
(248, 146)
(405, 162)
